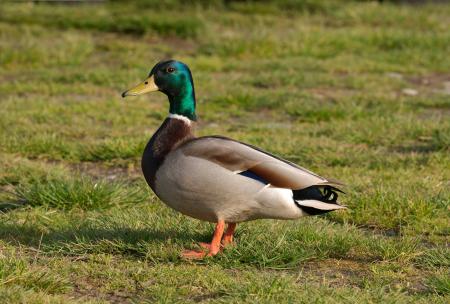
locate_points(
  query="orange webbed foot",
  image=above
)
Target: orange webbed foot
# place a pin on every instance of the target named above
(193, 254)
(206, 246)
(200, 254)
(210, 249)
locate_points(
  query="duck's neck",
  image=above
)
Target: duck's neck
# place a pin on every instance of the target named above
(183, 103)
(175, 130)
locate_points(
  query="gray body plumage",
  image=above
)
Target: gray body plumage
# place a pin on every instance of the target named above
(201, 178)
(204, 190)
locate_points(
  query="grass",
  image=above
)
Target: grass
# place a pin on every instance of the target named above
(440, 283)
(326, 84)
(81, 193)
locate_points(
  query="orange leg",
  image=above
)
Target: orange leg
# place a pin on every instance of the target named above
(228, 236)
(213, 248)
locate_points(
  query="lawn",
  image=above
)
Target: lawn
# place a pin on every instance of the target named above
(358, 91)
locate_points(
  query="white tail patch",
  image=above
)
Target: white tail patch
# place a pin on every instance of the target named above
(320, 205)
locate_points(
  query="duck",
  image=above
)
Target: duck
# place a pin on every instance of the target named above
(218, 179)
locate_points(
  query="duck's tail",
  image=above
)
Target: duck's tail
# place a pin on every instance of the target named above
(316, 200)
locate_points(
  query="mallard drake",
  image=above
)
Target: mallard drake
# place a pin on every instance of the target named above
(218, 179)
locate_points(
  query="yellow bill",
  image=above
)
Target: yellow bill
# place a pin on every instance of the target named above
(148, 85)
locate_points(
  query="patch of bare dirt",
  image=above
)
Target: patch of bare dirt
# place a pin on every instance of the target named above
(373, 229)
(340, 273)
(330, 94)
(88, 291)
(336, 273)
(434, 83)
(98, 170)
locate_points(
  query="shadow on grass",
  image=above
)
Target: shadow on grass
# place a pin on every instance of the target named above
(11, 205)
(138, 242)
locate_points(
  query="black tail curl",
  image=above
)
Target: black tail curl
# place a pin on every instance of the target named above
(326, 194)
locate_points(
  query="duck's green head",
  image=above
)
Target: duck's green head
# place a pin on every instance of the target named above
(174, 79)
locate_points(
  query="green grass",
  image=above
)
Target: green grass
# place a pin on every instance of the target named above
(440, 283)
(82, 193)
(321, 83)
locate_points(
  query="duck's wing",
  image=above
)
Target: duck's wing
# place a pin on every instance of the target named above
(253, 162)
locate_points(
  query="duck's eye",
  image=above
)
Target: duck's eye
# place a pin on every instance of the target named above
(170, 70)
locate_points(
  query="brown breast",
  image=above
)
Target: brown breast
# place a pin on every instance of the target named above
(168, 137)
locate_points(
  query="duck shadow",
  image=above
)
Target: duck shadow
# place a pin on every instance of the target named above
(82, 240)
(11, 205)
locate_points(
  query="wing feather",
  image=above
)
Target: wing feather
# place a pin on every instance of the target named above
(238, 157)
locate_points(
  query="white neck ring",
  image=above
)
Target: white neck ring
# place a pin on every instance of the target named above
(180, 117)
